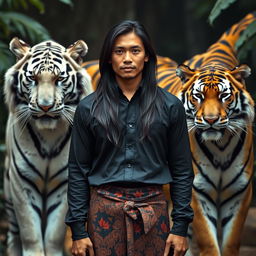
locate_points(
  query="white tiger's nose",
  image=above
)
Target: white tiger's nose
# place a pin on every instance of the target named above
(45, 107)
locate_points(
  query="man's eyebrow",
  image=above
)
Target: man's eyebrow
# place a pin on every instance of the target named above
(122, 47)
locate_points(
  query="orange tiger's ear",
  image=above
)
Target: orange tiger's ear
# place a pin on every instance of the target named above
(19, 48)
(184, 72)
(78, 50)
(241, 72)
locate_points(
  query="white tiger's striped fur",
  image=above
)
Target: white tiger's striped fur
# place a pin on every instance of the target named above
(42, 91)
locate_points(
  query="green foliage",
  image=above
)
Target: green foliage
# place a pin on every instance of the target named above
(246, 48)
(246, 41)
(201, 8)
(23, 25)
(14, 23)
(5, 56)
(68, 2)
(15, 4)
(219, 6)
(247, 34)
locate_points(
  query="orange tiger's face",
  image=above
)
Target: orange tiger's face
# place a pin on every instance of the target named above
(216, 100)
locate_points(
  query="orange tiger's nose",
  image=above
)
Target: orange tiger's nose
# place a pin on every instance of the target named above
(211, 119)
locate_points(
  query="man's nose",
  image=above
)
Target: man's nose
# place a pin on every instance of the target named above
(127, 57)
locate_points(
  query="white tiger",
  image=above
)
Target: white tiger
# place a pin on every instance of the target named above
(41, 91)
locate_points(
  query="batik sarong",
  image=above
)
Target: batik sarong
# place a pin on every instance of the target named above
(128, 221)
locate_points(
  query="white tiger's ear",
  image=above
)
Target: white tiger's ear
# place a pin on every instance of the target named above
(19, 47)
(241, 71)
(184, 72)
(78, 50)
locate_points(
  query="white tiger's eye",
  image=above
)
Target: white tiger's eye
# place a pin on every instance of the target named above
(32, 78)
(60, 78)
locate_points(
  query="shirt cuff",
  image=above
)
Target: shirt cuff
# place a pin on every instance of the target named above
(78, 230)
(180, 228)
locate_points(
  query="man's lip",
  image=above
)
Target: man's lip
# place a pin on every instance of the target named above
(128, 67)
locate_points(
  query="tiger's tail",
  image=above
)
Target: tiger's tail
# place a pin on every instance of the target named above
(232, 34)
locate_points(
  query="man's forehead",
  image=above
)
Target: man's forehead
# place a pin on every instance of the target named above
(128, 40)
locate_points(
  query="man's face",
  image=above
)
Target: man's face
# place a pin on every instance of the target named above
(128, 56)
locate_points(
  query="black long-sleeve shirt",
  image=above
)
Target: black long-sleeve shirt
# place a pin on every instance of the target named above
(162, 158)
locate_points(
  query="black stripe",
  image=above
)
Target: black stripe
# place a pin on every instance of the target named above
(95, 74)
(240, 173)
(210, 156)
(43, 153)
(213, 220)
(25, 158)
(14, 224)
(58, 172)
(57, 187)
(226, 220)
(204, 194)
(52, 208)
(220, 59)
(199, 63)
(160, 79)
(8, 208)
(63, 143)
(222, 52)
(236, 194)
(88, 65)
(37, 210)
(35, 60)
(24, 177)
(203, 174)
(14, 232)
(57, 60)
(225, 43)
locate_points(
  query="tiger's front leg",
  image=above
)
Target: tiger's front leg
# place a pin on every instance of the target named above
(205, 218)
(27, 212)
(56, 228)
(13, 236)
(234, 210)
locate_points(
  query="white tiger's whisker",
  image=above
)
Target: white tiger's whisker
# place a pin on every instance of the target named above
(68, 116)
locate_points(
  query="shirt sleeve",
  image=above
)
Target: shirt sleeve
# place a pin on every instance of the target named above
(180, 164)
(79, 164)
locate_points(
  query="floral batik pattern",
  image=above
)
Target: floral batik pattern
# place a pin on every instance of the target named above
(128, 221)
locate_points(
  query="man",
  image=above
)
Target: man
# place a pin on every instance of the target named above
(129, 138)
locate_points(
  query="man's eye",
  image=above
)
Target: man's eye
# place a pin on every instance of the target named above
(136, 51)
(118, 51)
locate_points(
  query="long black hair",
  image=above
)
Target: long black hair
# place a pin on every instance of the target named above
(105, 106)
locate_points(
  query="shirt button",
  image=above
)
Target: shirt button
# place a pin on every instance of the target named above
(130, 125)
(129, 165)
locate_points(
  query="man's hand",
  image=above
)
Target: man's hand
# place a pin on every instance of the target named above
(178, 243)
(79, 247)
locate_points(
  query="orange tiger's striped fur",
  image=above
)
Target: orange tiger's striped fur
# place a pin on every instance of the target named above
(219, 112)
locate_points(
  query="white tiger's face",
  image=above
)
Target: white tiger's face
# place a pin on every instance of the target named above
(46, 83)
(217, 102)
